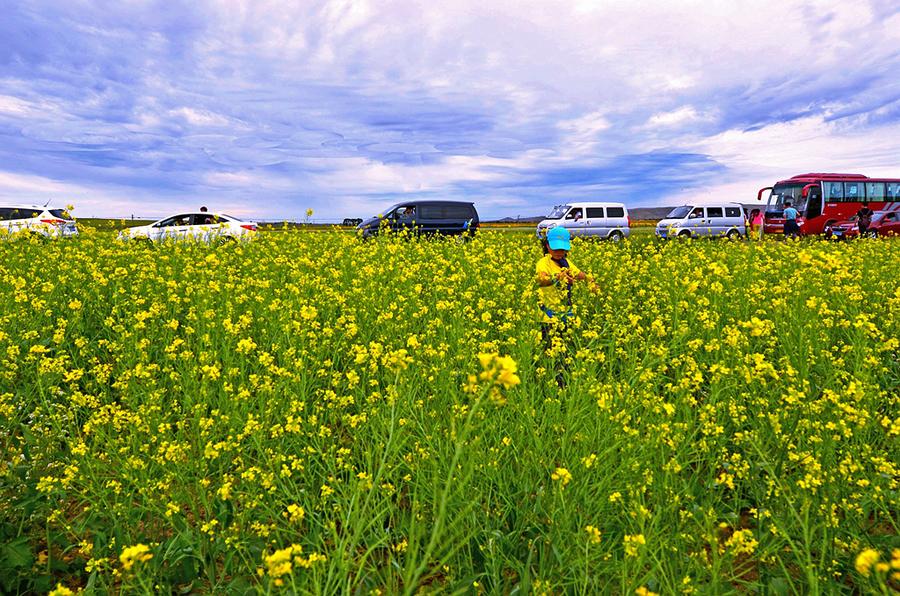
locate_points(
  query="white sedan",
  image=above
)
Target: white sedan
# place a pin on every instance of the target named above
(35, 220)
(203, 227)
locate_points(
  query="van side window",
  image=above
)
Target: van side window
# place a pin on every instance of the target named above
(732, 212)
(457, 211)
(595, 212)
(574, 213)
(5, 213)
(615, 212)
(714, 212)
(697, 212)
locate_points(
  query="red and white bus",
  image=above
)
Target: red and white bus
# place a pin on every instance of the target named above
(821, 200)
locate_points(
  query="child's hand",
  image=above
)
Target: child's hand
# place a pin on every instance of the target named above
(564, 276)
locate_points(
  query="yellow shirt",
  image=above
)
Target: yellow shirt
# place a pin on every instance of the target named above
(555, 298)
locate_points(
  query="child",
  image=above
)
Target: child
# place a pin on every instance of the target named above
(555, 277)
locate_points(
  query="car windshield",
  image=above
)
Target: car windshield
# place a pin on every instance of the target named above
(787, 192)
(879, 215)
(558, 212)
(679, 212)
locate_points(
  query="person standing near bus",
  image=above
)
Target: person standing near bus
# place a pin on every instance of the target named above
(791, 229)
(864, 219)
(755, 221)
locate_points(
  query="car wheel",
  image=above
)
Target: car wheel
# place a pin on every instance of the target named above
(684, 234)
(872, 234)
(616, 236)
(733, 234)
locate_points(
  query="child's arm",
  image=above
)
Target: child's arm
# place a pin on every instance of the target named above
(544, 279)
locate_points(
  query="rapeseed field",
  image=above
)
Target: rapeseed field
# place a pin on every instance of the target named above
(310, 413)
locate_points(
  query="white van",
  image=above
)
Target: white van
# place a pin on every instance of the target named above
(38, 220)
(693, 221)
(600, 220)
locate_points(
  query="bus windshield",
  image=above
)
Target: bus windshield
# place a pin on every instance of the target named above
(787, 192)
(558, 212)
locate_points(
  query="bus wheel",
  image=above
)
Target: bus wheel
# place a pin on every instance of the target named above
(733, 234)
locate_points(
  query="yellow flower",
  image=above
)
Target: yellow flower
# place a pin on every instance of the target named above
(593, 534)
(865, 560)
(561, 475)
(632, 543)
(61, 590)
(499, 370)
(295, 513)
(139, 553)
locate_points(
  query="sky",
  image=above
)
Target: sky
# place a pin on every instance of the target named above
(267, 108)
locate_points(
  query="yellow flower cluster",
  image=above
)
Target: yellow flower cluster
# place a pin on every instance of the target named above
(725, 413)
(139, 553)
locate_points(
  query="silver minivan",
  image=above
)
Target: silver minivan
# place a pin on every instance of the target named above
(693, 221)
(599, 220)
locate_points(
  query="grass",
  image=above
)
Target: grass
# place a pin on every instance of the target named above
(311, 413)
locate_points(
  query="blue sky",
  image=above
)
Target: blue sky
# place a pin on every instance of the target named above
(266, 109)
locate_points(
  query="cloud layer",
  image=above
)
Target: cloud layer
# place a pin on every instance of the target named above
(270, 108)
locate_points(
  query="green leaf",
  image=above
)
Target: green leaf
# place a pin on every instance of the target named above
(16, 554)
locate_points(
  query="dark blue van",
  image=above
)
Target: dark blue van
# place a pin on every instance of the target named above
(424, 217)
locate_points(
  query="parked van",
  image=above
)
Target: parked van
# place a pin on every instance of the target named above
(693, 221)
(424, 217)
(600, 220)
(37, 220)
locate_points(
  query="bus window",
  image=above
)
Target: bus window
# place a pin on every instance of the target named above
(834, 191)
(853, 192)
(875, 191)
(892, 190)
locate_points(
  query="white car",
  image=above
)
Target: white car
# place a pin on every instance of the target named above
(36, 219)
(203, 227)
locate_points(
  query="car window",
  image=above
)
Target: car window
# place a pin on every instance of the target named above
(21, 213)
(168, 222)
(714, 212)
(697, 212)
(593, 212)
(60, 214)
(615, 212)
(732, 212)
(574, 213)
(203, 219)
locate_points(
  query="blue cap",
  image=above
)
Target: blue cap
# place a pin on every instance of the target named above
(558, 239)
